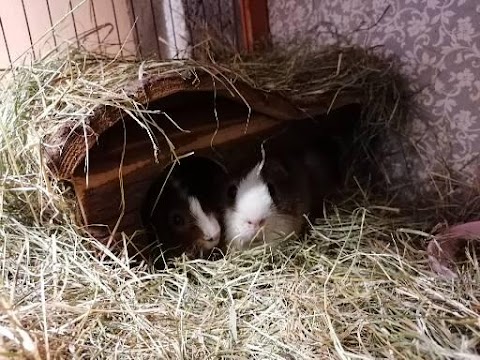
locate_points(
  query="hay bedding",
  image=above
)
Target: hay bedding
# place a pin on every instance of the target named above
(354, 287)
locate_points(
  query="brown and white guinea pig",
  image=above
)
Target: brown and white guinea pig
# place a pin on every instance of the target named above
(187, 216)
(268, 201)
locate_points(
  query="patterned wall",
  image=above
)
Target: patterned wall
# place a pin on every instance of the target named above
(219, 14)
(439, 44)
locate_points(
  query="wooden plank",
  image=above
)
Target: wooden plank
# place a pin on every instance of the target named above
(146, 19)
(66, 147)
(101, 202)
(254, 23)
(160, 28)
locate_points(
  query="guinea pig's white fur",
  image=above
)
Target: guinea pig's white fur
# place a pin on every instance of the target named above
(208, 224)
(253, 216)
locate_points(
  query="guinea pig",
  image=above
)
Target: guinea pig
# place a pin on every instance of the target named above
(269, 200)
(182, 213)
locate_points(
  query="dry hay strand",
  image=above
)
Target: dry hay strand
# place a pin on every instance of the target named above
(306, 74)
(352, 288)
(69, 88)
(39, 99)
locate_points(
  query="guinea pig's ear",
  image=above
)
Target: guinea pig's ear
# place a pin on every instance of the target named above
(275, 169)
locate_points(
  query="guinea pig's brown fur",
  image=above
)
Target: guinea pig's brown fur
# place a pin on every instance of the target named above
(170, 222)
(275, 196)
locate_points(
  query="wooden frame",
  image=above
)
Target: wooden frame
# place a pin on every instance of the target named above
(121, 162)
(254, 26)
(251, 19)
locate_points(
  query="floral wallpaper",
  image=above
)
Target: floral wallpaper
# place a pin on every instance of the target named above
(220, 16)
(438, 42)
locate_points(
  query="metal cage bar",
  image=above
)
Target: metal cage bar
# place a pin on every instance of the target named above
(243, 22)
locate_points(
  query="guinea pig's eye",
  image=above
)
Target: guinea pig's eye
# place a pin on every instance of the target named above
(232, 192)
(177, 219)
(271, 190)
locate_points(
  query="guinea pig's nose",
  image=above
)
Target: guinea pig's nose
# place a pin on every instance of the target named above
(257, 224)
(215, 238)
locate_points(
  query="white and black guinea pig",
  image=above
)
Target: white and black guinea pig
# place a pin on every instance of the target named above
(187, 216)
(268, 201)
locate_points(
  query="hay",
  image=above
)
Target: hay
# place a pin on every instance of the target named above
(353, 288)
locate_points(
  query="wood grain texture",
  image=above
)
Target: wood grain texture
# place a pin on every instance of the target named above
(66, 148)
(254, 25)
(221, 122)
(104, 201)
(144, 21)
(110, 204)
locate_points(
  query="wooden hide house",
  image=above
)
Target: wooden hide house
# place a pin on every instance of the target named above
(121, 161)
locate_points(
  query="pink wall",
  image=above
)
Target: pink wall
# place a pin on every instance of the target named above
(87, 15)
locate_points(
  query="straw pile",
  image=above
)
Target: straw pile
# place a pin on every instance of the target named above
(354, 287)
